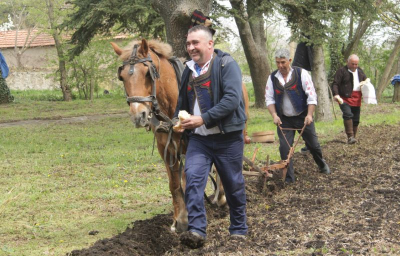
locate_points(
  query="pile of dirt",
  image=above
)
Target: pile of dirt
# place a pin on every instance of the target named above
(353, 211)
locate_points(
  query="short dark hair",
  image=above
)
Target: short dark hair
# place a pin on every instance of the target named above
(201, 28)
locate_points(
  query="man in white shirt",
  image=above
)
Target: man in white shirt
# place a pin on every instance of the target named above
(291, 99)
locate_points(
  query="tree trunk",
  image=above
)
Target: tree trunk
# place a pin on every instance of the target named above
(19, 61)
(252, 35)
(67, 95)
(92, 79)
(360, 31)
(176, 15)
(323, 111)
(396, 93)
(384, 81)
(339, 57)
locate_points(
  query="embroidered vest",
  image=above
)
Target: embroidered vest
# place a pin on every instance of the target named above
(293, 89)
(200, 88)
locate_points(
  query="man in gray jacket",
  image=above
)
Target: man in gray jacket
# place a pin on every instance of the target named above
(211, 92)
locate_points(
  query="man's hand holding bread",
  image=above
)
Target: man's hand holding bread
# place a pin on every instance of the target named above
(187, 121)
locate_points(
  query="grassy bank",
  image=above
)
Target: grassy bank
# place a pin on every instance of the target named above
(59, 181)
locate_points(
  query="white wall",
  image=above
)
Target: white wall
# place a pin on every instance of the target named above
(26, 80)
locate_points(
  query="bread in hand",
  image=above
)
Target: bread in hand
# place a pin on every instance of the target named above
(183, 114)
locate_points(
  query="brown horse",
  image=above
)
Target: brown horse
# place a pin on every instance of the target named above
(151, 86)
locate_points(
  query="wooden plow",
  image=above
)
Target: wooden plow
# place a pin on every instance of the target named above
(275, 171)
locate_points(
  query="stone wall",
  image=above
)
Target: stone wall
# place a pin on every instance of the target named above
(38, 64)
(26, 80)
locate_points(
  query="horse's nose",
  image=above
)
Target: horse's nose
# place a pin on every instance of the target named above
(139, 115)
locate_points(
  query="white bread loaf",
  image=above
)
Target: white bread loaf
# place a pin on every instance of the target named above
(183, 114)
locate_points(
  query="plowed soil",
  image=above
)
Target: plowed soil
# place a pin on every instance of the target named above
(353, 211)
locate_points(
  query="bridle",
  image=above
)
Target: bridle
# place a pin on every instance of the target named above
(154, 74)
(132, 61)
(155, 109)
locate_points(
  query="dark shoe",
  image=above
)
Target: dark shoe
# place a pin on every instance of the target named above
(351, 140)
(192, 239)
(325, 169)
(304, 150)
(163, 127)
(238, 237)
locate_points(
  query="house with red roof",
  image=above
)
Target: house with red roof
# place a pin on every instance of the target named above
(36, 48)
(37, 55)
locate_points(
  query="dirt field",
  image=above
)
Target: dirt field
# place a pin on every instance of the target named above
(353, 211)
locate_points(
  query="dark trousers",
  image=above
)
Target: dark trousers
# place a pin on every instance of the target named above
(225, 151)
(350, 112)
(309, 136)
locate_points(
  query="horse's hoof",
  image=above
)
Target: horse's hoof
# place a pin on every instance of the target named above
(222, 201)
(181, 227)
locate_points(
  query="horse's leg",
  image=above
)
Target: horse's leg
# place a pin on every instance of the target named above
(180, 222)
(247, 139)
(219, 196)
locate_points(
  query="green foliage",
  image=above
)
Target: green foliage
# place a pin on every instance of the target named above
(5, 94)
(319, 19)
(93, 69)
(373, 60)
(104, 16)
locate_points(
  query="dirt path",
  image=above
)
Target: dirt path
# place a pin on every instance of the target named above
(60, 120)
(353, 211)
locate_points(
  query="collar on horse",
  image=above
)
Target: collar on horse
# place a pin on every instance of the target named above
(154, 74)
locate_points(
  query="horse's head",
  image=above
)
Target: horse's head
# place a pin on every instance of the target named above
(139, 74)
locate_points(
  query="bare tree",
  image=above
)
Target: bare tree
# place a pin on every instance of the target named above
(388, 71)
(390, 14)
(67, 95)
(249, 19)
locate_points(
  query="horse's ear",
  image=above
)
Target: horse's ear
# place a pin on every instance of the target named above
(144, 49)
(117, 50)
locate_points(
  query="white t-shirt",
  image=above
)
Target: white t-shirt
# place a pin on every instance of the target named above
(356, 81)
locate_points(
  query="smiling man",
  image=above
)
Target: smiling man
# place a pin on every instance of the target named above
(211, 91)
(291, 99)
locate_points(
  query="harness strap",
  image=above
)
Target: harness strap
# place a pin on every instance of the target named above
(171, 162)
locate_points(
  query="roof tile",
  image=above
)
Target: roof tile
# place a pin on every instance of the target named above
(7, 38)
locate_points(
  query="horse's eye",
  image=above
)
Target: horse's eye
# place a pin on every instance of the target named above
(119, 73)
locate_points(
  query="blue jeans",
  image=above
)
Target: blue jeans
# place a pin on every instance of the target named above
(225, 151)
(309, 136)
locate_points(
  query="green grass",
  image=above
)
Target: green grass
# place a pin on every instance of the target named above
(60, 181)
(28, 106)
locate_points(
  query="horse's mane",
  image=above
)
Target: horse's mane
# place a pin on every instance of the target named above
(160, 48)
